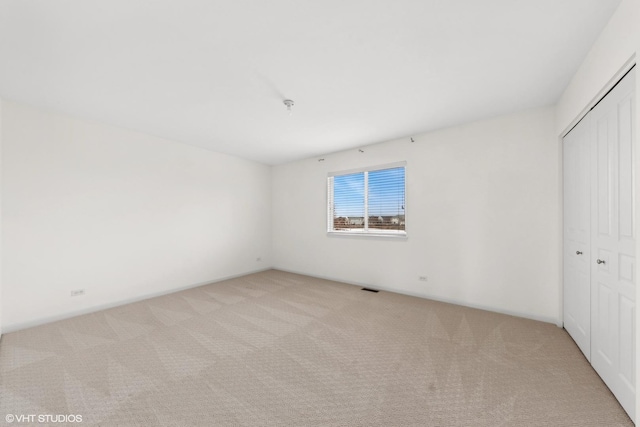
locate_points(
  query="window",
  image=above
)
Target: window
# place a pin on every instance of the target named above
(367, 201)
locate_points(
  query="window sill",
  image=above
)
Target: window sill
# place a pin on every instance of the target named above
(397, 236)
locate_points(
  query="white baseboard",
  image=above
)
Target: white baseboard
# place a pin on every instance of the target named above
(434, 298)
(13, 327)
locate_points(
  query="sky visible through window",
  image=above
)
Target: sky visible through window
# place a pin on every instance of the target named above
(386, 193)
(348, 195)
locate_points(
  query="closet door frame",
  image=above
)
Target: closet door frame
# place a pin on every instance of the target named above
(613, 81)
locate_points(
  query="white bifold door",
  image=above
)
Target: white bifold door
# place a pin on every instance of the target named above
(599, 239)
(577, 235)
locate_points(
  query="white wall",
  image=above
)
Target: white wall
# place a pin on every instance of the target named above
(615, 47)
(482, 217)
(615, 50)
(1, 218)
(120, 214)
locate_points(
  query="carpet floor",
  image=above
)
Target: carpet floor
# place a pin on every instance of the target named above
(275, 348)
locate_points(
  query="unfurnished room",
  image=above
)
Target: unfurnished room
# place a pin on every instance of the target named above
(319, 213)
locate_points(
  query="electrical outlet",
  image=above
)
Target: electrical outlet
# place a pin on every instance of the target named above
(258, 259)
(422, 278)
(77, 292)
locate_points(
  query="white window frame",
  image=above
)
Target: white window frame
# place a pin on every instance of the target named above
(402, 234)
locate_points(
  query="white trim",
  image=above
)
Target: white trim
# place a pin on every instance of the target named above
(367, 234)
(560, 319)
(529, 316)
(13, 327)
(366, 202)
(601, 94)
(329, 202)
(369, 168)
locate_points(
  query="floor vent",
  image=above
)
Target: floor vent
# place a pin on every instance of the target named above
(370, 290)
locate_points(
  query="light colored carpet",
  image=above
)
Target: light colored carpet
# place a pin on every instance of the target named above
(275, 348)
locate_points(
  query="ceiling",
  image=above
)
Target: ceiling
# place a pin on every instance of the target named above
(215, 73)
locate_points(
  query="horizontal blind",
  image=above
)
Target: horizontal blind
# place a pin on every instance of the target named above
(369, 201)
(348, 201)
(386, 199)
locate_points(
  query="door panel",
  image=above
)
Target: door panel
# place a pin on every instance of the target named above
(603, 334)
(625, 191)
(603, 182)
(577, 230)
(626, 350)
(613, 243)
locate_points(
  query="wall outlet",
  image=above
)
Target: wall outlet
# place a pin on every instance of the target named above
(258, 259)
(422, 278)
(77, 292)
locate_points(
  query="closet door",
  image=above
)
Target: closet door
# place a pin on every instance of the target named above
(613, 234)
(577, 230)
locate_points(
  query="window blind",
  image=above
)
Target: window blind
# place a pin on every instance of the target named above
(369, 201)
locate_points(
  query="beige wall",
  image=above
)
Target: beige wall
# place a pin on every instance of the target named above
(120, 214)
(482, 223)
